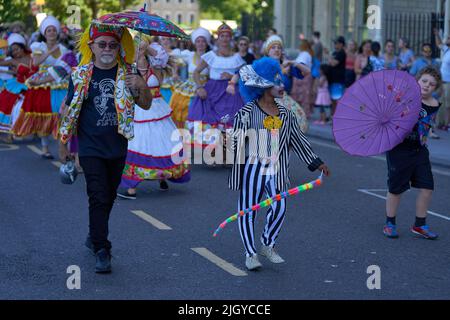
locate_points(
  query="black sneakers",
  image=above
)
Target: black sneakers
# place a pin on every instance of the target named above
(163, 185)
(103, 261)
(103, 257)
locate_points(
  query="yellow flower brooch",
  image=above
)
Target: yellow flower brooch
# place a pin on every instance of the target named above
(272, 122)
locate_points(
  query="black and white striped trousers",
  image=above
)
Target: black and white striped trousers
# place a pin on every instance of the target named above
(254, 184)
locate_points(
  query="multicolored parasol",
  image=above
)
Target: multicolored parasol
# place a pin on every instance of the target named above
(145, 22)
(377, 113)
(270, 201)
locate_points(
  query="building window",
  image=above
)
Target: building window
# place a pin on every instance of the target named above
(180, 18)
(192, 1)
(180, 1)
(167, 16)
(192, 19)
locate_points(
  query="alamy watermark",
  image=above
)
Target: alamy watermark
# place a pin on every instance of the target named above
(74, 280)
(374, 17)
(374, 280)
(226, 147)
(73, 22)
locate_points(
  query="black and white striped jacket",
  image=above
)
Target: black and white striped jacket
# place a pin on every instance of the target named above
(290, 135)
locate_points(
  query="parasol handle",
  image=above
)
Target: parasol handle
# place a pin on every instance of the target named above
(134, 91)
(134, 68)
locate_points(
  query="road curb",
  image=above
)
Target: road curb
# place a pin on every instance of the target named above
(326, 135)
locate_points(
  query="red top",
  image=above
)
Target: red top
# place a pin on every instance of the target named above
(24, 72)
(156, 92)
(350, 62)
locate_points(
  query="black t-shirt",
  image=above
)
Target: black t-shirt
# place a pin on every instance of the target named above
(249, 58)
(97, 124)
(337, 73)
(413, 140)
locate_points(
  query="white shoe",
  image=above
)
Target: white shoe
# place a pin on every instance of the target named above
(270, 254)
(252, 262)
(434, 135)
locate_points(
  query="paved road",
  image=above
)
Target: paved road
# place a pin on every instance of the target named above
(330, 237)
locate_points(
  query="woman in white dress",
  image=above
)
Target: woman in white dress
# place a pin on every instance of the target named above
(156, 151)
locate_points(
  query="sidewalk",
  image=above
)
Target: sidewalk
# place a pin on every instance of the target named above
(439, 148)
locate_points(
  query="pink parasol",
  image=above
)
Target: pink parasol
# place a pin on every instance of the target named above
(377, 113)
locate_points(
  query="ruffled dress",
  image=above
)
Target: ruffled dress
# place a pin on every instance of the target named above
(217, 111)
(156, 151)
(12, 97)
(39, 114)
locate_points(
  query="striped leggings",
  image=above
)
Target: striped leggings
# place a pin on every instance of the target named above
(254, 184)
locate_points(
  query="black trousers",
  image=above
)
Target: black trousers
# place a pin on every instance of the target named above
(102, 180)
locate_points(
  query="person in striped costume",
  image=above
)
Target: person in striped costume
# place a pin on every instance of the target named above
(264, 131)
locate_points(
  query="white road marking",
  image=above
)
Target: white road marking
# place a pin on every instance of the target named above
(156, 223)
(8, 147)
(324, 144)
(57, 164)
(444, 173)
(228, 267)
(373, 194)
(35, 149)
(335, 147)
(39, 152)
(366, 191)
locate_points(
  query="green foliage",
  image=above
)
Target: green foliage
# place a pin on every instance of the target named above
(251, 15)
(13, 10)
(231, 9)
(90, 9)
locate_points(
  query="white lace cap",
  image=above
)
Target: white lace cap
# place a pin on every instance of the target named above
(252, 79)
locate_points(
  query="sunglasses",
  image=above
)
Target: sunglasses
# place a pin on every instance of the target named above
(111, 45)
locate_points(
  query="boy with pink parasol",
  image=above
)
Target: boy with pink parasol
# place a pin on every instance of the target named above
(409, 162)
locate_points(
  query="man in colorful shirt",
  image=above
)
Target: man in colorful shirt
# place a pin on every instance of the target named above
(99, 111)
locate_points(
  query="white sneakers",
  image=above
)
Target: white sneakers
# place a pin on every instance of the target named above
(270, 254)
(252, 262)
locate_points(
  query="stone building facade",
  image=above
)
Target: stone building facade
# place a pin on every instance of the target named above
(408, 18)
(186, 12)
